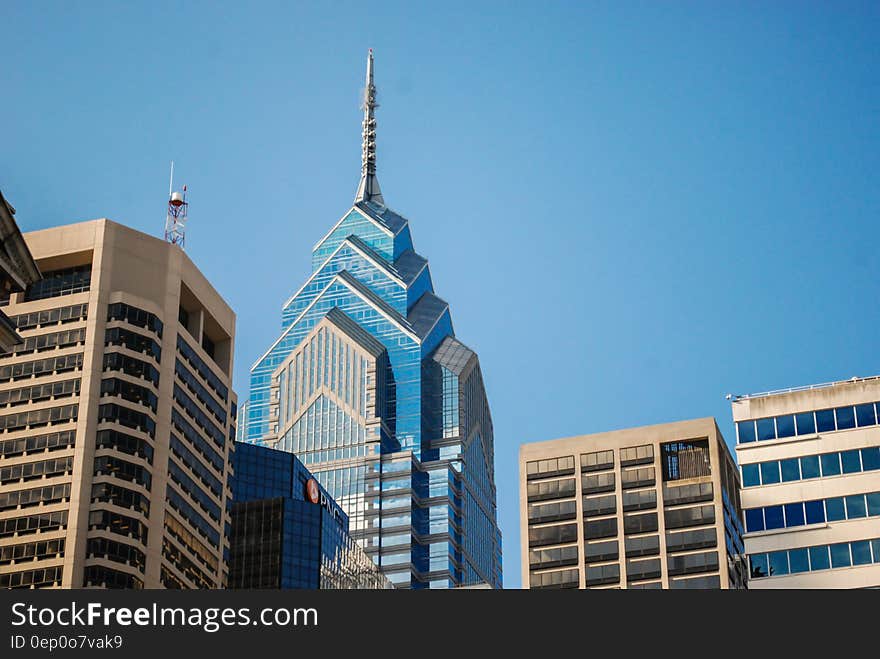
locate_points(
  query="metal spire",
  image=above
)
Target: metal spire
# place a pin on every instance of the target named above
(368, 188)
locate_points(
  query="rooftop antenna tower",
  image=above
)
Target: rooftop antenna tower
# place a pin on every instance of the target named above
(175, 221)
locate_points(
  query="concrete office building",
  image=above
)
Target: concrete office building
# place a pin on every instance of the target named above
(288, 532)
(17, 270)
(810, 460)
(116, 417)
(652, 507)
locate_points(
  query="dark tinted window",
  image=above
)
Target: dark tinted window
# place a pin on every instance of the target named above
(751, 475)
(815, 512)
(806, 424)
(766, 429)
(810, 466)
(794, 514)
(865, 414)
(790, 469)
(785, 426)
(871, 458)
(773, 518)
(825, 420)
(830, 464)
(769, 473)
(846, 418)
(851, 462)
(746, 431)
(834, 509)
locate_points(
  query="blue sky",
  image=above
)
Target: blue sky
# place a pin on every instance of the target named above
(633, 208)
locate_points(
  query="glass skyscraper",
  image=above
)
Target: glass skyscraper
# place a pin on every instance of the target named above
(287, 532)
(368, 385)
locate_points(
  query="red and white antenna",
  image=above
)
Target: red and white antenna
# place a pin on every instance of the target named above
(175, 220)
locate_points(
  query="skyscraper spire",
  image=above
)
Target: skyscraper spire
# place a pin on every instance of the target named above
(368, 188)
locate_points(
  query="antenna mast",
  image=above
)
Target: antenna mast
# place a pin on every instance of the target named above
(175, 220)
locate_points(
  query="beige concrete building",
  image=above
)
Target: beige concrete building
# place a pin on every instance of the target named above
(116, 417)
(810, 460)
(651, 507)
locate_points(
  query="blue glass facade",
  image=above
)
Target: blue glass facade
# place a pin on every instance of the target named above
(384, 405)
(281, 539)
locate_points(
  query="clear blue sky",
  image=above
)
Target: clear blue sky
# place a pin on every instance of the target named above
(633, 208)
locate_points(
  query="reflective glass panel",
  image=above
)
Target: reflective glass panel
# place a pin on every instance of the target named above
(806, 424)
(846, 418)
(819, 558)
(861, 552)
(755, 519)
(798, 560)
(769, 473)
(810, 466)
(855, 506)
(766, 429)
(790, 469)
(778, 563)
(751, 475)
(746, 431)
(834, 510)
(830, 464)
(815, 512)
(851, 462)
(871, 458)
(840, 555)
(865, 415)
(825, 420)
(785, 426)
(794, 514)
(773, 518)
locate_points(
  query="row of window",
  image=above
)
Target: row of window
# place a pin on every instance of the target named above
(182, 562)
(107, 520)
(60, 282)
(37, 418)
(47, 366)
(196, 440)
(633, 524)
(204, 474)
(113, 413)
(120, 496)
(51, 341)
(129, 444)
(133, 393)
(179, 503)
(187, 538)
(110, 465)
(46, 495)
(134, 316)
(199, 417)
(814, 559)
(73, 313)
(39, 578)
(53, 441)
(192, 383)
(188, 485)
(118, 552)
(43, 522)
(811, 466)
(101, 577)
(41, 469)
(818, 511)
(116, 361)
(32, 551)
(807, 423)
(119, 336)
(40, 392)
(202, 369)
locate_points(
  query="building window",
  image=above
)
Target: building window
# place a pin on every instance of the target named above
(635, 455)
(648, 545)
(600, 528)
(598, 552)
(603, 574)
(602, 505)
(685, 459)
(594, 483)
(551, 467)
(641, 477)
(641, 500)
(597, 461)
(60, 282)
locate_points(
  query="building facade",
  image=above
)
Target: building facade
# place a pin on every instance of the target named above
(18, 270)
(370, 387)
(647, 508)
(287, 532)
(116, 417)
(810, 461)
